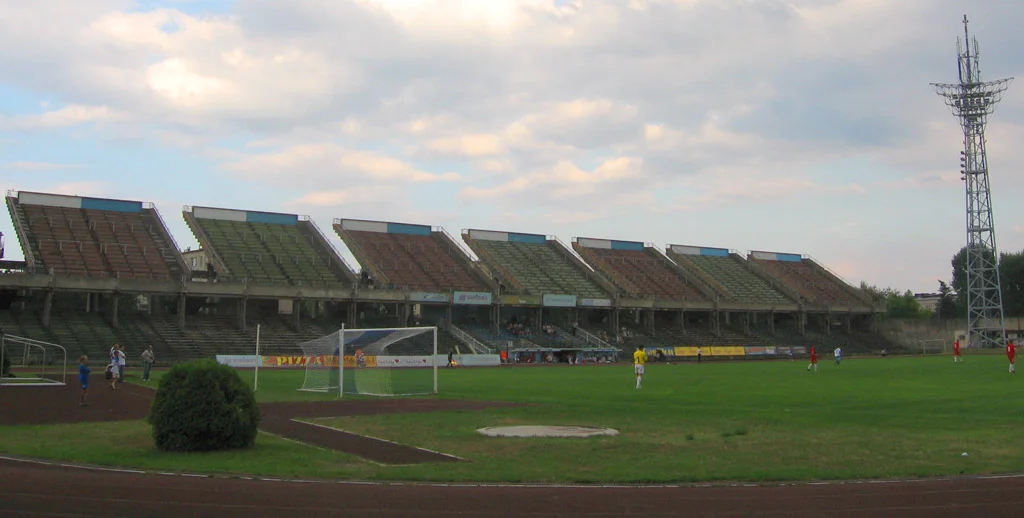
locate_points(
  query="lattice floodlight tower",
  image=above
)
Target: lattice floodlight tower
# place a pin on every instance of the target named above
(972, 101)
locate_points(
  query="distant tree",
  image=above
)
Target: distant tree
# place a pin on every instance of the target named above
(946, 309)
(1011, 271)
(905, 306)
(897, 305)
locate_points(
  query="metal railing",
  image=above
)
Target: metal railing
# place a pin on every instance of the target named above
(333, 248)
(469, 341)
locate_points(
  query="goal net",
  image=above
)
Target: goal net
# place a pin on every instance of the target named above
(374, 362)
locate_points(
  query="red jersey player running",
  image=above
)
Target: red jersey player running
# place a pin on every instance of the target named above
(1011, 353)
(956, 352)
(814, 360)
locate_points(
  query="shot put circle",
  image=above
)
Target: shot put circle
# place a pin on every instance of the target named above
(546, 431)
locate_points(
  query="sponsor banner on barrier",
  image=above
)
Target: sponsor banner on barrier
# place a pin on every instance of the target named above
(688, 351)
(756, 351)
(728, 351)
(769, 350)
(392, 362)
(653, 351)
(520, 300)
(475, 298)
(351, 362)
(238, 360)
(419, 296)
(469, 360)
(596, 303)
(560, 301)
(298, 361)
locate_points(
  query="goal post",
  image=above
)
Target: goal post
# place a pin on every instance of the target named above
(47, 362)
(373, 362)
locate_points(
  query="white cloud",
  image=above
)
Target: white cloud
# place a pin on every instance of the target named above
(571, 114)
(67, 116)
(328, 164)
(37, 166)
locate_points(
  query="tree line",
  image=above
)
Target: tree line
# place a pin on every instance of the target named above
(953, 294)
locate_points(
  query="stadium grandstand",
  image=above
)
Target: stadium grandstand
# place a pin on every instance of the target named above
(411, 257)
(814, 283)
(76, 236)
(535, 265)
(732, 278)
(641, 271)
(266, 247)
(101, 271)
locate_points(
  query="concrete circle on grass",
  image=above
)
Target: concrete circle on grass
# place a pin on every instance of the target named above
(546, 431)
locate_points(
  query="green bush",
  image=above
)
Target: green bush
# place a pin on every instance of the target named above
(203, 406)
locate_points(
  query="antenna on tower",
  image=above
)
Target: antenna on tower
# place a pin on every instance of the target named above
(972, 101)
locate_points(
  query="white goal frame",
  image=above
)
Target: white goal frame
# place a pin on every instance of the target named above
(60, 354)
(341, 358)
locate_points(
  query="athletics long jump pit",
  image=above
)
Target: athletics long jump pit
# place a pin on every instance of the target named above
(59, 404)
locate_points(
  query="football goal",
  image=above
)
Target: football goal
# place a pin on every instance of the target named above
(37, 363)
(373, 362)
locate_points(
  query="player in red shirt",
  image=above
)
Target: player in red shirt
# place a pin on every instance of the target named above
(1011, 354)
(956, 352)
(814, 360)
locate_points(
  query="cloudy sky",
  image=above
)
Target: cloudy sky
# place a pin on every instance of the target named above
(802, 126)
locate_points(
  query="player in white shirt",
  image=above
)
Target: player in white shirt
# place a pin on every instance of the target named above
(838, 354)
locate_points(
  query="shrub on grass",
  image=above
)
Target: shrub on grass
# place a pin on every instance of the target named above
(203, 406)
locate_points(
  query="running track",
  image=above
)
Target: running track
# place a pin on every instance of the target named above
(32, 489)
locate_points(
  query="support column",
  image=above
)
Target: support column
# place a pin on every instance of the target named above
(650, 322)
(47, 308)
(353, 314)
(241, 314)
(849, 323)
(539, 320)
(114, 311)
(801, 323)
(448, 315)
(181, 312)
(88, 302)
(682, 320)
(771, 322)
(746, 323)
(297, 314)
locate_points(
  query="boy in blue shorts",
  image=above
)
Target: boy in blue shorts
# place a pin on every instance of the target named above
(83, 377)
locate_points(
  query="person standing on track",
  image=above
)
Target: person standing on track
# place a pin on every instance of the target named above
(1011, 354)
(83, 377)
(814, 360)
(956, 352)
(639, 359)
(147, 362)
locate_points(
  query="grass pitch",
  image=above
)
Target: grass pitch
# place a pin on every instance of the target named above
(744, 421)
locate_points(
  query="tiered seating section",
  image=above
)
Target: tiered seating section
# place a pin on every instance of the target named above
(642, 271)
(535, 264)
(729, 271)
(266, 247)
(805, 277)
(410, 256)
(101, 238)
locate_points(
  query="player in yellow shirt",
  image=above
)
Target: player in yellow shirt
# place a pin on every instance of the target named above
(639, 359)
